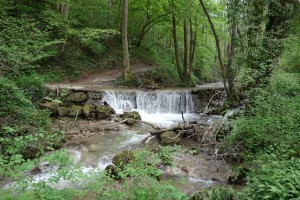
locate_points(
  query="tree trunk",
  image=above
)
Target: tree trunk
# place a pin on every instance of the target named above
(185, 47)
(109, 7)
(223, 70)
(126, 62)
(193, 37)
(177, 60)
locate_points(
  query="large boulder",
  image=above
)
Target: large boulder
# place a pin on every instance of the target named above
(76, 97)
(169, 138)
(134, 115)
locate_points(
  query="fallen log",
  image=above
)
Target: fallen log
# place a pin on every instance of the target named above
(175, 127)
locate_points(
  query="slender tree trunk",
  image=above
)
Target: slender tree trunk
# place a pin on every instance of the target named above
(126, 62)
(230, 55)
(193, 36)
(185, 48)
(223, 70)
(177, 59)
(109, 7)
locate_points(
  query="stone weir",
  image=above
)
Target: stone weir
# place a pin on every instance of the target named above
(166, 100)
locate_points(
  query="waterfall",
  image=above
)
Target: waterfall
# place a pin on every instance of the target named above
(150, 101)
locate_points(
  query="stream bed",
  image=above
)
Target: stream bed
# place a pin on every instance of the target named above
(94, 143)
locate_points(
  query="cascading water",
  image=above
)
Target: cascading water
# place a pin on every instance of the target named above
(151, 102)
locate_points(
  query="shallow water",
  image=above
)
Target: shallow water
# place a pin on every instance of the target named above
(190, 173)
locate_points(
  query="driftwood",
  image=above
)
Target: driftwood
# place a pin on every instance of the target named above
(175, 127)
(143, 122)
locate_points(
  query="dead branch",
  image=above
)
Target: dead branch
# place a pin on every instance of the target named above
(206, 107)
(223, 120)
(154, 127)
(182, 117)
(173, 128)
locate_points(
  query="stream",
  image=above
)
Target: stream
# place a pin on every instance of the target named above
(160, 108)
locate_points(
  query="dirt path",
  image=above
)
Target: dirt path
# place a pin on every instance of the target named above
(108, 77)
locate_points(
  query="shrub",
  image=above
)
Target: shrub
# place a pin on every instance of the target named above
(272, 118)
(218, 193)
(275, 180)
(23, 45)
(32, 86)
(22, 129)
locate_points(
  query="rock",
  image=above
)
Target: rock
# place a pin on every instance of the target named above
(66, 104)
(134, 115)
(50, 106)
(129, 121)
(87, 110)
(63, 111)
(94, 95)
(123, 158)
(112, 171)
(104, 112)
(76, 97)
(169, 138)
(74, 110)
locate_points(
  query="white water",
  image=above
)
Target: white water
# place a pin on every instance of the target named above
(151, 102)
(161, 108)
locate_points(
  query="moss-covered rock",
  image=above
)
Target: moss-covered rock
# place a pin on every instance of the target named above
(87, 110)
(104, 112)
(50, 106)
(134, 115)
(74, 110)
(123, 158)
(112, 171)
(130, 121)
(169, 138)
(76, 97)
(94, 95)
(63, 111)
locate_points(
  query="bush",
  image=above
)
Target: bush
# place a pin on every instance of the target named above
(18, 111)
(267, 136)
(32, 86)
(23, 45)
(22, 127)
(275, 180)
(272, 118)
(218, 193)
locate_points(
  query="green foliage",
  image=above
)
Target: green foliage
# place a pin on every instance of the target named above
(139, 181)
(290, 59)
(23, 45)
(17, 110)
(218, 193)
(267, 137)
(91, 38)
(26, 188)
(32, 86)
(271, 119)
(161, 75)
(275, 180)
(22, 128)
